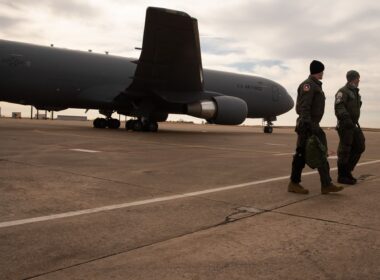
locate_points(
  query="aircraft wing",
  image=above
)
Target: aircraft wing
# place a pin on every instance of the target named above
(170, 64)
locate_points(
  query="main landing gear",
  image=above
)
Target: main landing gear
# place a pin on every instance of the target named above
(141, 125)
(109, 122)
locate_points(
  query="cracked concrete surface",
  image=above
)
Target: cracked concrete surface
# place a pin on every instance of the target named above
(255, 232)
(242, 212)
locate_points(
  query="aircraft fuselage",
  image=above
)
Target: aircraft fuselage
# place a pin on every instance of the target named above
(54, 78)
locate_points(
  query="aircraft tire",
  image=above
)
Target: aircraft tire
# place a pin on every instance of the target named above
(113, 123)
(152, 127)
(268, 129)
(100, 123)
(128, 125)
(96, 123)
(137, 125)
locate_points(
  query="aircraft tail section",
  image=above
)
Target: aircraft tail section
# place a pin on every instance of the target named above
(170, 60)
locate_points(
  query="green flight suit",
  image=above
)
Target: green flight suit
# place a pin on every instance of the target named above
(310, 107)
(352, 141)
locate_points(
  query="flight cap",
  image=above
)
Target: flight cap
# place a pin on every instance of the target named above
(316, 67)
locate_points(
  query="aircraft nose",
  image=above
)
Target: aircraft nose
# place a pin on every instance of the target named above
(289, 102)
(286, 102)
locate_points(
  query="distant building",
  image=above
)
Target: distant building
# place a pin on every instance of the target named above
(16, 115)
(41, 116)
(71, 118)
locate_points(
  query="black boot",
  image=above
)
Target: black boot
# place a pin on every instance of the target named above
(352, 177)
(344, 175)
(346, 181)
(341, 170)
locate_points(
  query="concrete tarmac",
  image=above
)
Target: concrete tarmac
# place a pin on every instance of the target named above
(188, 202)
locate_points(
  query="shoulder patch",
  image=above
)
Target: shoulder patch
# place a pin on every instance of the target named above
(306, 87)
(339, 97)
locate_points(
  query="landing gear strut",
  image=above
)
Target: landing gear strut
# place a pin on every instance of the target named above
(268, 128)
(141, 125)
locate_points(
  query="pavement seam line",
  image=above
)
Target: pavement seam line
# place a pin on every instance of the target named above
(127, 251)
(274, 210)
(153, 200)
(324, 220)
(84, 175)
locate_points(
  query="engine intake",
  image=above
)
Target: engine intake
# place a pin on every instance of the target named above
(227, 110)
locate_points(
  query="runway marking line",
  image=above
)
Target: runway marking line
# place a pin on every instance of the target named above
(275, 144)
(84, 151)
(284, 154)
(155, 200)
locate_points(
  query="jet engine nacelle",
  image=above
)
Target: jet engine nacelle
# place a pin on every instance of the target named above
(227, 110)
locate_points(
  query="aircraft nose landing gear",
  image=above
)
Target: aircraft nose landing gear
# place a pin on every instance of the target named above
(268, 128)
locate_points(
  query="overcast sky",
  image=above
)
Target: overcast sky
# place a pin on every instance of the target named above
(275, 39)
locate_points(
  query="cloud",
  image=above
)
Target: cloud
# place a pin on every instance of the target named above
(73, 9)
(219, 46)
(9, 22)
(67, 8)
(252, 66)
(8, 4)
(296, 29)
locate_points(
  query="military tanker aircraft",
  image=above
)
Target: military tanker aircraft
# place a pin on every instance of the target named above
(168, 78)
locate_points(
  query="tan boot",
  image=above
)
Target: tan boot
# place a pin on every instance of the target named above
(297, 188)
(331, 188)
